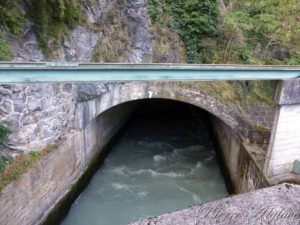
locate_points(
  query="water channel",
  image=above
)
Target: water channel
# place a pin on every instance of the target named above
(164, 161)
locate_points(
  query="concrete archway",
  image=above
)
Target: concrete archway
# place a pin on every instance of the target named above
(128, 92)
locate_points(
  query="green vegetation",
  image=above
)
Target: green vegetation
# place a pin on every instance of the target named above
(50, 148)
(4, 132)
(241, 31)
(267, 31)
(213, 31)
(154, 9)
(115, 42)
(11, 17)
(51, 20)
(34, 155)
(240, 93)
(11, 22)
(6, 52)
(10, 169)
(194, 20)
(4, 160)
(14, 170)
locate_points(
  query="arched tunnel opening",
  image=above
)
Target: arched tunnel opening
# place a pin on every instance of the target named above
(164, 160)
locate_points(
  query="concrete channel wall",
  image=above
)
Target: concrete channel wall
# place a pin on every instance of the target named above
(83, 118)
(244, 173)
(31, 199)
(43, 190)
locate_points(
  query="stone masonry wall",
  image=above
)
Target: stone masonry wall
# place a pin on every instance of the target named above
(42, 113)
(30, 199)
(261, 114)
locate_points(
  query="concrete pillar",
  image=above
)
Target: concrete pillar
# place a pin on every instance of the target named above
(284, 146)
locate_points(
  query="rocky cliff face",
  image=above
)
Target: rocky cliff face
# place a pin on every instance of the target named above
(113, 31)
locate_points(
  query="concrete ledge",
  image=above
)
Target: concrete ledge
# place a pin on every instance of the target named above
(277, 205)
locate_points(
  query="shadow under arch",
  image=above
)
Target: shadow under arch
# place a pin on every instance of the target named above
(132, 92)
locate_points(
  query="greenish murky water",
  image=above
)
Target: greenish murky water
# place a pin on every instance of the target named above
(161, 164)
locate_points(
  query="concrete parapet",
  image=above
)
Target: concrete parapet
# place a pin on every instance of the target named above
(277, 205)
(284, 146)
(288, 92)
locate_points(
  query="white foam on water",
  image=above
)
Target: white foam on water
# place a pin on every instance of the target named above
(210, 158)
(196, 198)
(199, 164)
(159, 158)
(177, 151)
(183, 189)
(142, 194)
(119, 170)
(156, 144)
(119, 186)
(172, 174)
(155, 173)
(144, 168)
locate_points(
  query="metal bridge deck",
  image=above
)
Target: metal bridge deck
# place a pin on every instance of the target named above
(78, 72)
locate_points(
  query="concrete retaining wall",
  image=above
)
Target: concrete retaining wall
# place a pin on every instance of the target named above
(31, 199)
(86, 116)
(284, 147)
(243, 172)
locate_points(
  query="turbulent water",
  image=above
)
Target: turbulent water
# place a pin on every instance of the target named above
(159, 165)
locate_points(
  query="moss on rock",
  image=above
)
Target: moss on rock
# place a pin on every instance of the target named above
(6, 51)
(52, 19)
